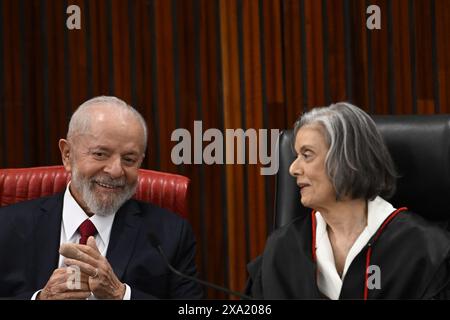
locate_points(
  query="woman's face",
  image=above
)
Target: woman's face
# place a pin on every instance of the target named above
(316, 190)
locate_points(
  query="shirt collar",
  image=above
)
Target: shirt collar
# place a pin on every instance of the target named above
(378, 210)
(74, 215)
(329, 282)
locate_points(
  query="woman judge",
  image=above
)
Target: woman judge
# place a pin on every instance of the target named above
(354, 244)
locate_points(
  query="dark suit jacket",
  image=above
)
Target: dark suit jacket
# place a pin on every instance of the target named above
(30, 239)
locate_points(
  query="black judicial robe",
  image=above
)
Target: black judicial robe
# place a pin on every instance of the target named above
(412, 254)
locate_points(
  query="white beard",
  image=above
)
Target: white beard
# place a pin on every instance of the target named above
(110, 204)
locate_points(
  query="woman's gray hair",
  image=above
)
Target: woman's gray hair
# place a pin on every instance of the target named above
(358, 162)
(80, 120)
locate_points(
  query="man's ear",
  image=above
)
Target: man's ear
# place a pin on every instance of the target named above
(141, 159)
(64, 147)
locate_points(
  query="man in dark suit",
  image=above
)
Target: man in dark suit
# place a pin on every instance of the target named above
(91, 242)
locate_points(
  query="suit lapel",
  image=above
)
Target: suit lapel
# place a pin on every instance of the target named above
(47, 237)
(123, 237)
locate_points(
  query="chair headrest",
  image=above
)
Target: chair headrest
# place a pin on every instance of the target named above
(420, 148)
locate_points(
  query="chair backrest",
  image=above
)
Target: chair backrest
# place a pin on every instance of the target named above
(165, 190)
(420, 148)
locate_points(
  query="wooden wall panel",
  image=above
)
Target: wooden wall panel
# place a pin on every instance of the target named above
(55, 73)
(77, 57)
(120, 49)
(13, 96)
(402, 76)
(315, 53)
(379, 66)
(442, 20)
(212, 204)
(294, 56)
(232, 115)
(359, 56)
(335, 51)
(253, 118)
(273, 62)
(425, 98)
(165, 77)
(250, 64)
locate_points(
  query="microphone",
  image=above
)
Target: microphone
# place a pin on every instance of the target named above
(157, 245)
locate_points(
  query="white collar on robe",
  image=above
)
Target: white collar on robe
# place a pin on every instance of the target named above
(328, 280)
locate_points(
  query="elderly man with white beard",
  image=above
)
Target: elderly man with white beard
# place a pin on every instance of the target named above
(94, 232)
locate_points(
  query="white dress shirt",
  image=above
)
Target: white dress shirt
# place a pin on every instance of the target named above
(328, 280)
(72, 216)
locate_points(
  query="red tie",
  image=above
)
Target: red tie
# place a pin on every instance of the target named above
(86, 229)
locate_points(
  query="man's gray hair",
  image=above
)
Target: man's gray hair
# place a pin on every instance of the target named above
(358, 162)
(80, 120)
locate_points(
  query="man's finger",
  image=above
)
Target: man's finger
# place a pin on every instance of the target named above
(77, 252)
(72, 250)
(86, 268)
(69, 250)
(71, 286)
(74, 295)
(91, 243)
(58, 277)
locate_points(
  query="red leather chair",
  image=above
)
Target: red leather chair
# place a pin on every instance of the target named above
(166, 190)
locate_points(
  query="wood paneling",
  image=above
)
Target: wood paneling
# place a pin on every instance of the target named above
(235, 236)
(442, 22)
(250, 64)
(402, 73)
(336, 50)
(212, 206)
